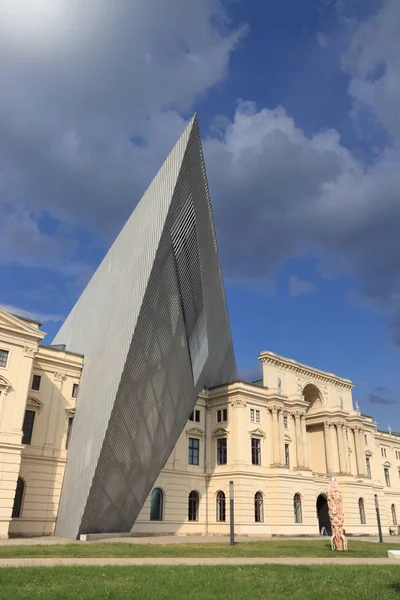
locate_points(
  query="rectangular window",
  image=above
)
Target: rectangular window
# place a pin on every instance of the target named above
(74, 390)
(255, 451)
(222, 454)
(387, 477)
(36, 382)
(222, 415)
(3, 358)
(257, 416)
(194, 451)
(287, 456)
(27, 427)
(383, 452)
(366, 440)
(195, 416)
(69, 430)
(285, 422)
(252, 414)
(368, 463)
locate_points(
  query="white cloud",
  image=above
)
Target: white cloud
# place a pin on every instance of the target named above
(298, 287)
(28, 314)
(323, 40)
(280, 194)
(79, 81)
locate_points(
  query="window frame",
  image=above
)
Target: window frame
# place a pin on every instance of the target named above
(8, 353)
(36, 377)
(17, 508)
(193, 502)
(160, 513)
(24, 431)
(258, 507)
(361, 511)
(224, 451)
(221, 507)
(387, 476)
(287, 455)
(192, 451)
(394, 515)
(255, 446)
(298, 510)
(368, 466)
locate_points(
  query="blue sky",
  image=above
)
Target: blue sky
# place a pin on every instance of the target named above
(298, 108)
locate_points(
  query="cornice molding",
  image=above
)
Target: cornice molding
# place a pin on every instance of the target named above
(305, 371)
(195, 431)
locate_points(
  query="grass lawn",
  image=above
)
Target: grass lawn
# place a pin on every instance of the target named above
(192, 583)
(268, 548)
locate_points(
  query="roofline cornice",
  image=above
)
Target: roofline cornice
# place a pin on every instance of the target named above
(304, 370)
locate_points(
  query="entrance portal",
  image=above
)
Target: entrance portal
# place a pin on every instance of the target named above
(324, 521)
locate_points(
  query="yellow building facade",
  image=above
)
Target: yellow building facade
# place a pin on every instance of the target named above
(38, 388)
(279, 440)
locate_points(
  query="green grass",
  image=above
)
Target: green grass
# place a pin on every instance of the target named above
(192, 583)
(303, 548)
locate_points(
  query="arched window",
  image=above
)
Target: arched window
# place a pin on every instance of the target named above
(221, 506)
(394, 516)
(258, 508)
(19, 494)
(157, 505)
(361, 510)
(193, 509)
(298, 517)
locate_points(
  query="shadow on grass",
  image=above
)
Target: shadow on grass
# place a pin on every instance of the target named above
(395, 587)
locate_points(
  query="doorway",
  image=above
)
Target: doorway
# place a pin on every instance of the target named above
(324, 521)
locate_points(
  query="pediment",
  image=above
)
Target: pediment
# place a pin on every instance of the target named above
(368, 453)
(220, 431)
(195, 431)
(35, 403)
(387, 464)
(258, 432)
(4, 384)
(287, 437)
(18, 325)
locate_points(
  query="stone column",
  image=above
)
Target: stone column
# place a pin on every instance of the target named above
(305, 443)
(341, 449)
(328, 455)
(360, 435)
(299, 441)
(334, 448)
(275, 434)
(55, 406)
(357, 451)
(345, 449)
(281, 438)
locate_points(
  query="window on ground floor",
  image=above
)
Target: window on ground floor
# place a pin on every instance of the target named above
(19, 496)
(258, 507)
(193, 508)
(298, 517)
(221, 506)
(394, 516)
(361, 510)
(156, 505)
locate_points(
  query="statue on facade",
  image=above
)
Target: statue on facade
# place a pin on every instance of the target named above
(335, 507)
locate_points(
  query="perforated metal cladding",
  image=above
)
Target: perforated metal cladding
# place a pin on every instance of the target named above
(180, 343)
(187, 257)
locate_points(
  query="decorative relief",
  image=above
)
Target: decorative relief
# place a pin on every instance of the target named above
(59, 376)
(195, 431)
(238, 402)
(4, 385)
(30, 352)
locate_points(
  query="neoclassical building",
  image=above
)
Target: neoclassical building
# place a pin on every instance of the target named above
(38, 388)
(279, 440)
